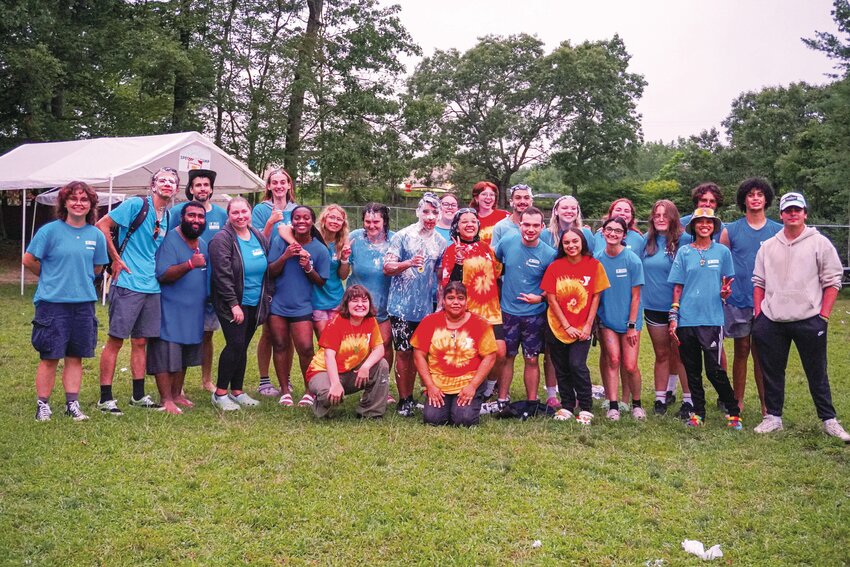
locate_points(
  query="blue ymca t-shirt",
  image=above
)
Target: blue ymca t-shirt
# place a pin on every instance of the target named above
(140, 253)
(68, 256)
(411, 294)
(183, 301)
(254, 264)
(261, 213)
(505, 228)
(216, 219)
(546, 237)
(744, 244)
(367, 268)
(700, 304)
(657, 292)
(634, 241)
(293, 289)
(329, 295)
(624, 271)
(524, 267)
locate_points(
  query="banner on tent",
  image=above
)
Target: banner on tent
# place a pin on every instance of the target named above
(194, 157)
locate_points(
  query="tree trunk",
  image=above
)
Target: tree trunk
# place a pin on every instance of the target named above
(306, 56)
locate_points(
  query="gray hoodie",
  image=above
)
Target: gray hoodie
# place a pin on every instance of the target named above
(794, 274)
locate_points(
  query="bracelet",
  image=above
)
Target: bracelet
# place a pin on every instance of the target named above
(344, 262)
(309, 271)
(189, 263)
(673, 316)
(674, 306)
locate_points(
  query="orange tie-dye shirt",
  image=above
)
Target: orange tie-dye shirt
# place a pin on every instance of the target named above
(351, 344)
(480, 271)
(573, 287)
(488, 222)
(454, 355)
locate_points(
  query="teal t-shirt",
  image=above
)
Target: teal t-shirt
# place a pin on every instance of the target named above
(68, 256)
(261, 213)
(183, 301)
(140, 253)
(524, 267)
(700, 276)
(255, 264)
(624, 271)
(367, 268)
(329, 295)
(657, 293)
(216, 219)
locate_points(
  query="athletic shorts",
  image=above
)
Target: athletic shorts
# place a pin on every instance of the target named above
(64, 329)
(402, 330)
(165, 356)
(133, 314)
(527, 331)
(211, 322)
(324, 314)
(738, 321)
(655, 318)
(499, 332)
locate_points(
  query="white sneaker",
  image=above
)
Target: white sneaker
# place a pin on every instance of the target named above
(598, 392)
(42, 411)
(639, 414)
(73, 410)
(224, 403)
(613, 415)
(564, 414)
(244, 399)
(769, 424)
(584, 417)
(110, 407)
(834, 429)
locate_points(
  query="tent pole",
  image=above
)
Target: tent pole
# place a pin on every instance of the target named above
(106, 277)
(23, 233)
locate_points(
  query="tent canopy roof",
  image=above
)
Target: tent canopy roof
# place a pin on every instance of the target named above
(128, 162)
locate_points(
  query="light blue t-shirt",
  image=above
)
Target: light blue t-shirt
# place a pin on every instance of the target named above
(657, 292)
(624, 271)
(183, 301)
(293, 289)
(546, 237)
(140, 253)
(524, 267)
(216, 219)
(411, 294)
(67, 256)
(700, 304)
(254, 266)
(503, 229)
(329, 295)
(634, 240)
(367, 268)
(445, 233)
(744, 244)
(261, 213)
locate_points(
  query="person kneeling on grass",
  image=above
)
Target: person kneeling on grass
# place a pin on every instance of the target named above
(454, 351)
(344, 363)
(702, 275)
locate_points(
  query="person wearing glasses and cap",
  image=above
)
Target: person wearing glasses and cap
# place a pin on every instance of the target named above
(702, 275)
(200, 189)
(796, 279)
(521, 199)
(134, 300)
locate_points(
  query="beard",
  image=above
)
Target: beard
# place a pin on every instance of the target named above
(189, 231)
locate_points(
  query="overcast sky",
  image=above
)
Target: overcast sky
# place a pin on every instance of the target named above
(697, 56)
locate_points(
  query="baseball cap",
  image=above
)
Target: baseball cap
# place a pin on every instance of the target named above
(792, 200)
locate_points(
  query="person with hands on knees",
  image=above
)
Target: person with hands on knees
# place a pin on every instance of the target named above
(241, 291)
(702, 275)
(351, 358)
(796, 280)
(454, 351)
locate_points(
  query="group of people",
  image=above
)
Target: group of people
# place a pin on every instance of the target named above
(452, 298)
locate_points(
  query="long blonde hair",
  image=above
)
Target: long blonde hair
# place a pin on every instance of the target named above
(341, 237)
(555, 222)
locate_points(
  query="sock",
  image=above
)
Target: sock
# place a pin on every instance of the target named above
(264, 380)
(105, 393)
(43, 399)
(138, 388)
(686, 398)
(489, 386)
(502, 401)
(71, 397)
(660, 396)
(551, 391)
(636, 403)
(671, 382)
(614, 404)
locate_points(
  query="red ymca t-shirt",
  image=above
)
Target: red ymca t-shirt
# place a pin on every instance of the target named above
(487, 223)
(573, 287)
(351, 344)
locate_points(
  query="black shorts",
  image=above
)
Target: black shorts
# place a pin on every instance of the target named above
(655, 318)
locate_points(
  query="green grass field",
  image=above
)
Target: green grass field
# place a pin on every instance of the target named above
(273, 486)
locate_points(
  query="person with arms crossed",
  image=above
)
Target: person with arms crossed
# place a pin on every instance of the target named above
(64, 255)
(796, 279)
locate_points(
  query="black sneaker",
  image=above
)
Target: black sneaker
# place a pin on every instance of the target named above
(405, 407)
(660, 407)
(72, 410)
(109, 407)
(671, 398)
(685, 411)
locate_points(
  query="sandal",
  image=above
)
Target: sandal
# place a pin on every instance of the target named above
(286, 400)
(306, 401)
(268, 390)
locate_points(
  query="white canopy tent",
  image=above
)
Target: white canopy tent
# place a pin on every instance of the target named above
(122, 165)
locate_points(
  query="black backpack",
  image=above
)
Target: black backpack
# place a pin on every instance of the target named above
(137, 222)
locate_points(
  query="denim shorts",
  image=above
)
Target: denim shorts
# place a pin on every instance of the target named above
(64, 329)
(524, 330)
(133, 314)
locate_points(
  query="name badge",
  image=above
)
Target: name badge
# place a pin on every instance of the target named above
(257, 252)
(214, 225)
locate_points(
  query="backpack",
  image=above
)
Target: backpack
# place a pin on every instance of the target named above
(137, 222)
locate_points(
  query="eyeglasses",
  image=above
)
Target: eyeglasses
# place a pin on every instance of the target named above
(609, 230)
(449, 205)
